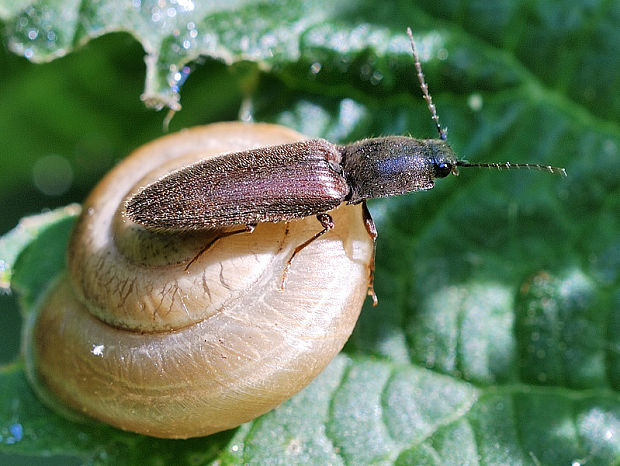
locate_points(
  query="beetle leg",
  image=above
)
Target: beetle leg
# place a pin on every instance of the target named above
(328, 223)
(246, 229)
(372, 232)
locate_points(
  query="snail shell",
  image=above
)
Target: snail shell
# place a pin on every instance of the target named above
(130, 337)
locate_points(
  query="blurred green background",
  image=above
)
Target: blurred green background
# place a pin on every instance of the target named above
(517, 81)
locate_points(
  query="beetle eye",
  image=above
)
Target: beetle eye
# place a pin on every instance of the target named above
(442, 169)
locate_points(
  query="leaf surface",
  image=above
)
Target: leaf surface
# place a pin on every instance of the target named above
(496, 340)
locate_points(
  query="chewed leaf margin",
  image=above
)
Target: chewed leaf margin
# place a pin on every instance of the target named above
(184, 30)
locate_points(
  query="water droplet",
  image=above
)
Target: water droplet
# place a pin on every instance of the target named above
(365, 71)
(98, 350)
(155, 15)
(187, 44)
(17, 433)
(179, 77)
(28, 53)
(315, 68)
(186, 5)
(33, 34)
(343, 63)
(475, 102)
(376, 78)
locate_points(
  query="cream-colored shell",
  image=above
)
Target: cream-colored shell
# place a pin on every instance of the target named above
(178, 353)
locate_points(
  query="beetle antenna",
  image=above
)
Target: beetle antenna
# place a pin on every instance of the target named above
(511, 166)
(424, 86)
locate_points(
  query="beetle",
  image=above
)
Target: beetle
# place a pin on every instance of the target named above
(301, 179)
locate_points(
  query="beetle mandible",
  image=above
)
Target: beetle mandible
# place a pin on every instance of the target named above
(289, 181)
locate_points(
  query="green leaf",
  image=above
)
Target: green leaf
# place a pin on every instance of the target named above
(496, 340)
(14, 242)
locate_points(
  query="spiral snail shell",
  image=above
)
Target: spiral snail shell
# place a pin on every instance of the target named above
(131, 337)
